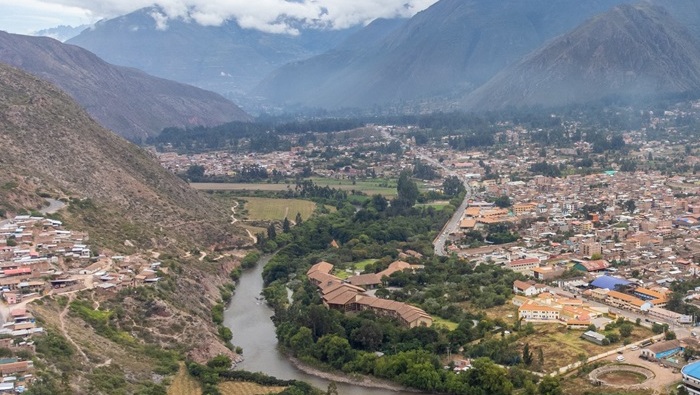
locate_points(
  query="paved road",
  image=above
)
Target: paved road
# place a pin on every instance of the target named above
(453, 223)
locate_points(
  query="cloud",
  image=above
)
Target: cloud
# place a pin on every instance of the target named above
(275, 16)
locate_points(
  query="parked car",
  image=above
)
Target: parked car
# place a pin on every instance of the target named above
(620, 358)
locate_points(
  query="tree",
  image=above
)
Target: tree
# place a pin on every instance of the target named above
(527, 355)
(286, 226)
(540, 357)
(670, 335)
(452, 186)
(625, 330)
(195, 173)
(332, 389)
(271, 232)
(630, 205)
(550, 386)
(298, 219)
(407, 189)
(503, 201)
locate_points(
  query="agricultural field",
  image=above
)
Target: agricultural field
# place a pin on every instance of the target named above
(386, 187)
(243, 388)
(269, 209)
(184, 384)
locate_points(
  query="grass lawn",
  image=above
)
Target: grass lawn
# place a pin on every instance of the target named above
(361, 265)
(268, 209)
(437, 205)
(437, 321)
(561, 346)
(184, 384)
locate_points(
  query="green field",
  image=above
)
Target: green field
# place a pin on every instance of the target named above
(437, 321)
(267, 209)
(362, 264)
(437, 205)
(386, 187)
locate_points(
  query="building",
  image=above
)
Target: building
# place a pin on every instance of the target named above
(528, 288)
(536, 312)
(609, 282)
(592, 266)
(523, 265)
(661, 350)
(691, 377)
(593, 337)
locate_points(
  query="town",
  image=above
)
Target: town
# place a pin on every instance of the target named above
(40, 258)
(602, 228)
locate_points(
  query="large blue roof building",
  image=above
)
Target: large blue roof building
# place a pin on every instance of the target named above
(691, 377)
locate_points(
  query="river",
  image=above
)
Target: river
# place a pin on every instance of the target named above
(253, 330)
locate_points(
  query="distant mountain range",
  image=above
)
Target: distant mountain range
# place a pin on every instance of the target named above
(452, 47)
(436, 60)
(226, 59)
(632, 51)
(130, 102)
(61, 33)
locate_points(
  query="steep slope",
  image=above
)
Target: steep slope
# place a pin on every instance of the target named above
(227, 59)
(48, 137)
(631, 51)
(454, 45)
(130, 102)
(118, 193)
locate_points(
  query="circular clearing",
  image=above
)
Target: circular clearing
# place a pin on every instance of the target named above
(621, 376)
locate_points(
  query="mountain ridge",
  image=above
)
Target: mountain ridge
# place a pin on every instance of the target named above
(632, 51)
(451, 47)
(130, 102)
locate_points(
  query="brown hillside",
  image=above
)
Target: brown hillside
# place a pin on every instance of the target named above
(46, 135)
(130, 102)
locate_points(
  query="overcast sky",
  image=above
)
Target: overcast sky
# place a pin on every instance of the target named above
(25, 16)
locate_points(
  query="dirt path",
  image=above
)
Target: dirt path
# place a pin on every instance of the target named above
(61, 318)
(234, 220)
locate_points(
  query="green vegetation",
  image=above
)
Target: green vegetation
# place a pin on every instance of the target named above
(218, 370)
(277, 209)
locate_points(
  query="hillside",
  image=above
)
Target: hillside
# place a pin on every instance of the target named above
(128, 204)
(130, 102)
(451, 47)
(226, 59)
(631, 51)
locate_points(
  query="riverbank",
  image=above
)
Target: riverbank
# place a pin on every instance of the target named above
(338, 377)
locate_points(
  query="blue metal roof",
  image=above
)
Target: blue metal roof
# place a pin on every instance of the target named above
(609, 282)
(692, 370)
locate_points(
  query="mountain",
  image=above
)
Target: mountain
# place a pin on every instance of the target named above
(631, 51)
(130, 102)
(227, 59)
(128, 203)
(61, 33)
(451, 47)
(48, 137)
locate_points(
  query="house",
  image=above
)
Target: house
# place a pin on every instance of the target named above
(661, 350)
(523, 265)
(592, 266)
(593, 337)
(528, 288)
(536, 312)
